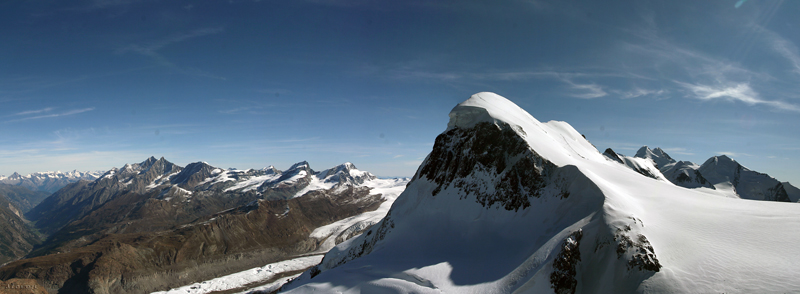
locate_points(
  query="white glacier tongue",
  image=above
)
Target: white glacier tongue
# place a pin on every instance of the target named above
(506, 204)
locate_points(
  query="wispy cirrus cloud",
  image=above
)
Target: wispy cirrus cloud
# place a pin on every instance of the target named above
(783, 47)
(741, 92)
(151, 50)
(48, 109)
(639, 92)
(66, 113)
(585, 91)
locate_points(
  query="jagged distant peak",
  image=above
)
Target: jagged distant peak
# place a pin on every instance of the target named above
(345, 173)
(659, 157)
(646, 152)
(300, 165)
(271, 170)
(149, 161)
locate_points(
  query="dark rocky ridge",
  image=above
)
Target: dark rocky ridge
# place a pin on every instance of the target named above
(16, 238)
(458, 153)
(78, 199)
(23, 198)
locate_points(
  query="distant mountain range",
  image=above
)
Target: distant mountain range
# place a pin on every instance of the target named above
(718, 172)
(48, 181)
(111, 234)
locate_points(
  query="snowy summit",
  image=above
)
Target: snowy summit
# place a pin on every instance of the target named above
(507, 204)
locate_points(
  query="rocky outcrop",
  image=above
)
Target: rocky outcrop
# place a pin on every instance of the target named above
(460, 156)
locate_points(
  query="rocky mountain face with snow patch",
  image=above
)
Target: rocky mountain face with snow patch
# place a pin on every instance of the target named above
(747, 184)
(645, 167)
(48, 181)
(156, 216)
(507, 204)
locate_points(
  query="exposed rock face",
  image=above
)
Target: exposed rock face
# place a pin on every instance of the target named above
(643, 166)
(792, 191)
(562, 280)
(459, 156)
(686, 174)
(610, 154)
(194, 174)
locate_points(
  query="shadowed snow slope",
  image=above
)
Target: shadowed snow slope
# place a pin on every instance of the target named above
(505, 203)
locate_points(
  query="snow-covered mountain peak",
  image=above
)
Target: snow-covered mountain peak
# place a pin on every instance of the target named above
(722, 162)
(303, 165)
(487, 107)
(271, 170)
(345, 173)
(660, 158)
(555, 140)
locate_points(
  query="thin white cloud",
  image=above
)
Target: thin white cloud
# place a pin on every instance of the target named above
(588, 91)
(784, 47)
(48, 109)
(66, 113)
(639, 92)
(740, 92)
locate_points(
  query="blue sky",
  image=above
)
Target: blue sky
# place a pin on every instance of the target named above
(91, 85)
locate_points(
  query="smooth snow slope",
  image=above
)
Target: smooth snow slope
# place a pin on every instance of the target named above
(631, 233)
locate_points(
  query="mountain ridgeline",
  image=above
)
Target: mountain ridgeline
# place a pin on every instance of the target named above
(48, 182)
(718, 172)
(116, 233)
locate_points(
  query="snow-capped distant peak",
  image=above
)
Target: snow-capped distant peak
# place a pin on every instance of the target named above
(660, 158)
(300, 165)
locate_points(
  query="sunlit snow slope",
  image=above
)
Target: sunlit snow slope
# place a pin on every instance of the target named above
(507, 204)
